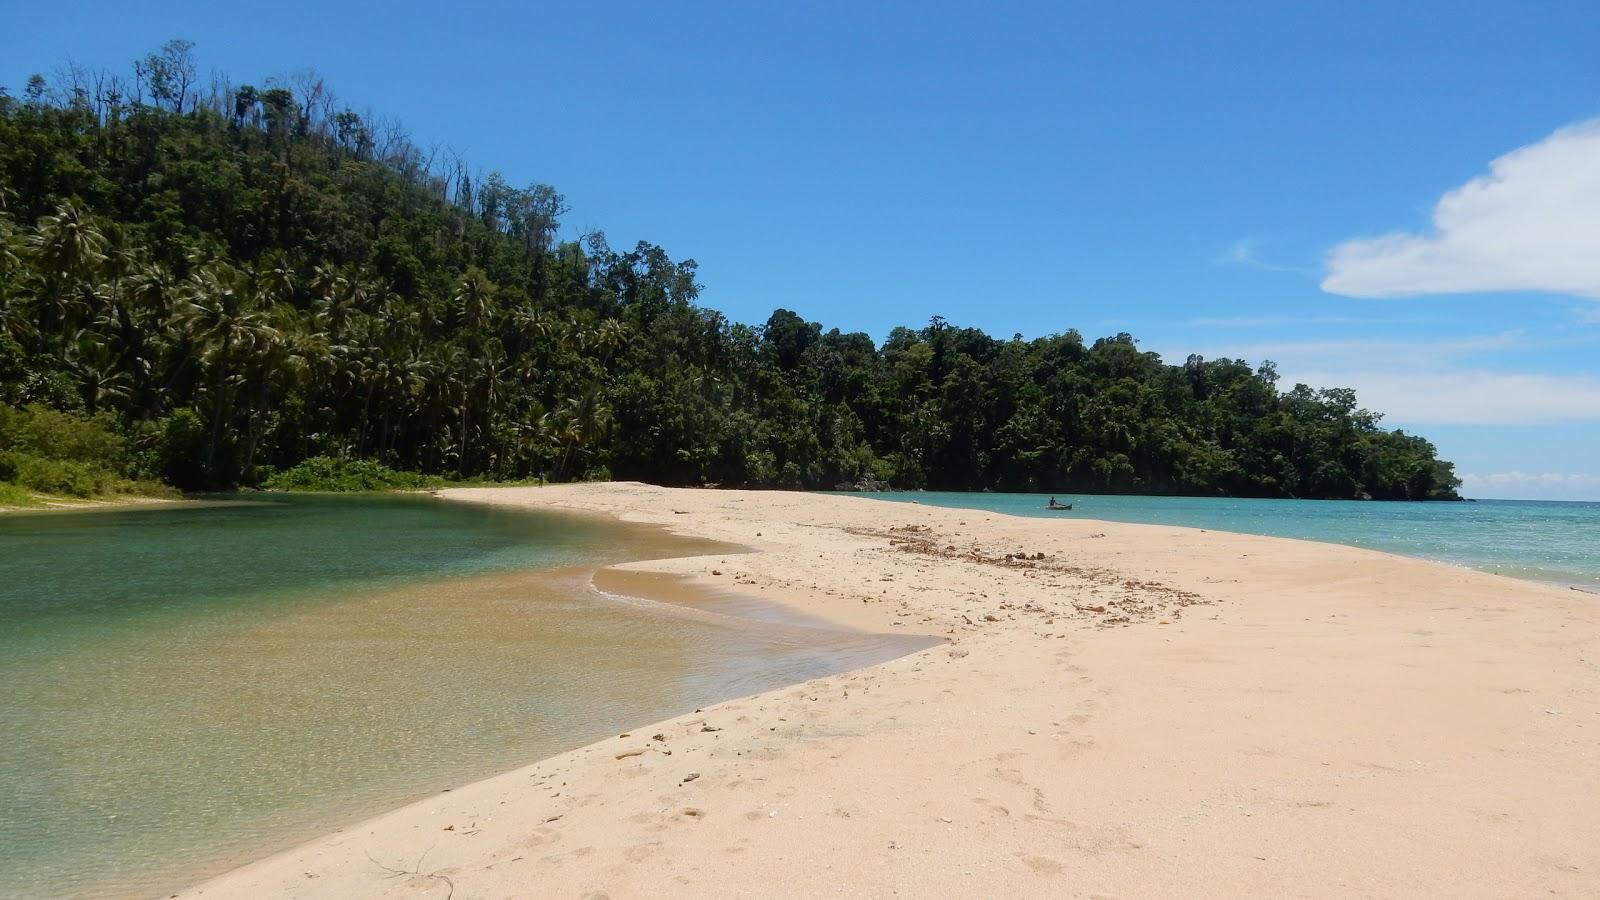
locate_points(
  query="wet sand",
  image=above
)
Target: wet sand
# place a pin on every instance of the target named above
(48, 503)
(1113, 710)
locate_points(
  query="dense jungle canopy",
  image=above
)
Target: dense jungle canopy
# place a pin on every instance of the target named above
(205, 284)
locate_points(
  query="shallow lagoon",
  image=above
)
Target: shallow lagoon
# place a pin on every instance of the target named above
(190, 687)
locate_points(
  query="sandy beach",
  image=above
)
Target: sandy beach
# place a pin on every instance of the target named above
(1113, 710)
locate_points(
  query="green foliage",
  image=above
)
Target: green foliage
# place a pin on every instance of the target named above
(46, 451)
(328, 473)
(178, 448)
(60, 477)
(251, 286)
(48, 433)
(14, 495)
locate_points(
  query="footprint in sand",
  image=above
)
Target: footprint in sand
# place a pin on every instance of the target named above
(1011, 776)
(641, 852)
(992, 807)
(539, 837)
(1040, 865)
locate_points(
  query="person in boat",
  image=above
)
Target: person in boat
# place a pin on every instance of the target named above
(1055, 505)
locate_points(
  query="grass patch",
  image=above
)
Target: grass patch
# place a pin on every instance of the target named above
(16, 495)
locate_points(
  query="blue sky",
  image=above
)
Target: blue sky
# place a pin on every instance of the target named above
(1208, 179)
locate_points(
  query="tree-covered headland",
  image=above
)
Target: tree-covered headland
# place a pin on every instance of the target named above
(227, 280)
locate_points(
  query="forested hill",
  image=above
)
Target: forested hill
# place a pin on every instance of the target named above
(232, 279)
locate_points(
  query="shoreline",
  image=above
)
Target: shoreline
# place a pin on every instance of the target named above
(1387, 543)
(1389, 730)
(135, 501)
(659, 597)
(47, 503)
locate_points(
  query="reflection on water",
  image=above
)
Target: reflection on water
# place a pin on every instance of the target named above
(186, 689)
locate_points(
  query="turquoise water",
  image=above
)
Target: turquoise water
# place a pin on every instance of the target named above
(1550, 541)
(190, 687)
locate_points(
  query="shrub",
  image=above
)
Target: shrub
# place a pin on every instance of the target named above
(63, 477)
(41, 431)
(332, 473)
(47, 451)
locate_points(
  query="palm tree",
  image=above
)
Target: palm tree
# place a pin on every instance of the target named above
(609, 337)
(409, 382)
(387, 382)
(474, 297)
(10, 249)
(17, 318)
(67, 242)
(573, 338)
(14, 316)
(65, 247)
(534, 322)
(94, 365)
(534, 327)
(454, 396)
(151, 289)
(220, 315)
(335, 301)
(288, 359)
(278, 282)
(577, 423)
(147, 339)
(485, 375)
(309, 363)
(438, 401)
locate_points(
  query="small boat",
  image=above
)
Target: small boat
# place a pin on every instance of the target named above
(1059, 507)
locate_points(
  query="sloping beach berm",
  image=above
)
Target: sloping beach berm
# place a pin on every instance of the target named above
(1124, 711)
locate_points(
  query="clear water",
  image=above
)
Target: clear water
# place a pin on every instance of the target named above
(1542, 540)
(189, 688)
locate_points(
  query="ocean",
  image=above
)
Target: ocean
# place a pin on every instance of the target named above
(1550, 541)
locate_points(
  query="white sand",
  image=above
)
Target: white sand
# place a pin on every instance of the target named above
(1324, 721)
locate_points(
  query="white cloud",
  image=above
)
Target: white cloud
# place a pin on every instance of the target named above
(1299, 321)
(1376, 353)
(1244, 253)
(1531, 224)
(1532, 485)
